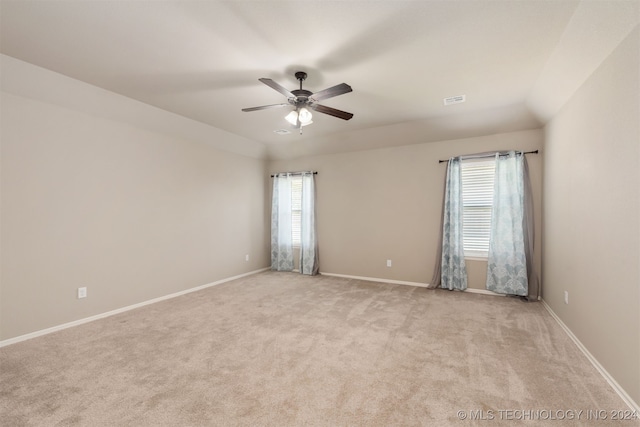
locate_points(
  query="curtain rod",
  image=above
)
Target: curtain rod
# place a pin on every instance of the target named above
(295, 173)
(489, 155)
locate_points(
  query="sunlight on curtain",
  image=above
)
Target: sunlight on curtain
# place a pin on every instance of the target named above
(507, 260)
(281, 237)
(454, 272)
(308, 242)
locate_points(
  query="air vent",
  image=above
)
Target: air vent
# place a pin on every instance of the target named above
(454, 100)
(282, 132)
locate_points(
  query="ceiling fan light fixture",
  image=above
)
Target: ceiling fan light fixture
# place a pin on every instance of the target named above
(292, 117)
(306, 123)
(304, 116)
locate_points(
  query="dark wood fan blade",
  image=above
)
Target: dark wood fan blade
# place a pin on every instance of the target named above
(264, 107)
(332, 111)
(277, 87)
(331, 92)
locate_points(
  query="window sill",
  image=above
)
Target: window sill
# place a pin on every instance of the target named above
(476, 258)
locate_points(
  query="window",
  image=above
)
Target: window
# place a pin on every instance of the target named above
(296, 209)
(477, 201)
(293, 223)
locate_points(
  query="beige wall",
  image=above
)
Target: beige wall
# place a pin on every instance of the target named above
(592, 215)
(386, 204)
(129, 213)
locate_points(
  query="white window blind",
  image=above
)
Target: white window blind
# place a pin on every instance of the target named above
(296, 209)
(477, 199)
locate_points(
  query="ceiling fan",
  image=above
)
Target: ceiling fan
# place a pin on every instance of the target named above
(303, 99)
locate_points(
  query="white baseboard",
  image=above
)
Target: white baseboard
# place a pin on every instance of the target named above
(121, 310)
(483, 292)
(375, 279)
(612, 382)
(402, 282)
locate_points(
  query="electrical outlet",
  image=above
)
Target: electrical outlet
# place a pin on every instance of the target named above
(246, 257)
(388, 263)
(82, 292)
(566, 297)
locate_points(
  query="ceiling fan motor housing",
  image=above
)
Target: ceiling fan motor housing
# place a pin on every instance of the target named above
(301, 97)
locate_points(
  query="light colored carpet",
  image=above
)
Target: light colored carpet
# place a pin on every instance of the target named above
(281, 349)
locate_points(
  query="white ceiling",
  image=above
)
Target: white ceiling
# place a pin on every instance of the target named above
(517, 62)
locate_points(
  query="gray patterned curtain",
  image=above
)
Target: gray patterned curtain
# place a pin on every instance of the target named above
(507, 261)
(510, 268)
(453, 269)
(529, 234)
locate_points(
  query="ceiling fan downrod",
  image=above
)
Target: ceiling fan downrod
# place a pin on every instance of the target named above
(301, 76)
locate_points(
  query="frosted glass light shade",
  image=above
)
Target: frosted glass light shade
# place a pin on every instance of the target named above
(292, 117)
(304, 116)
